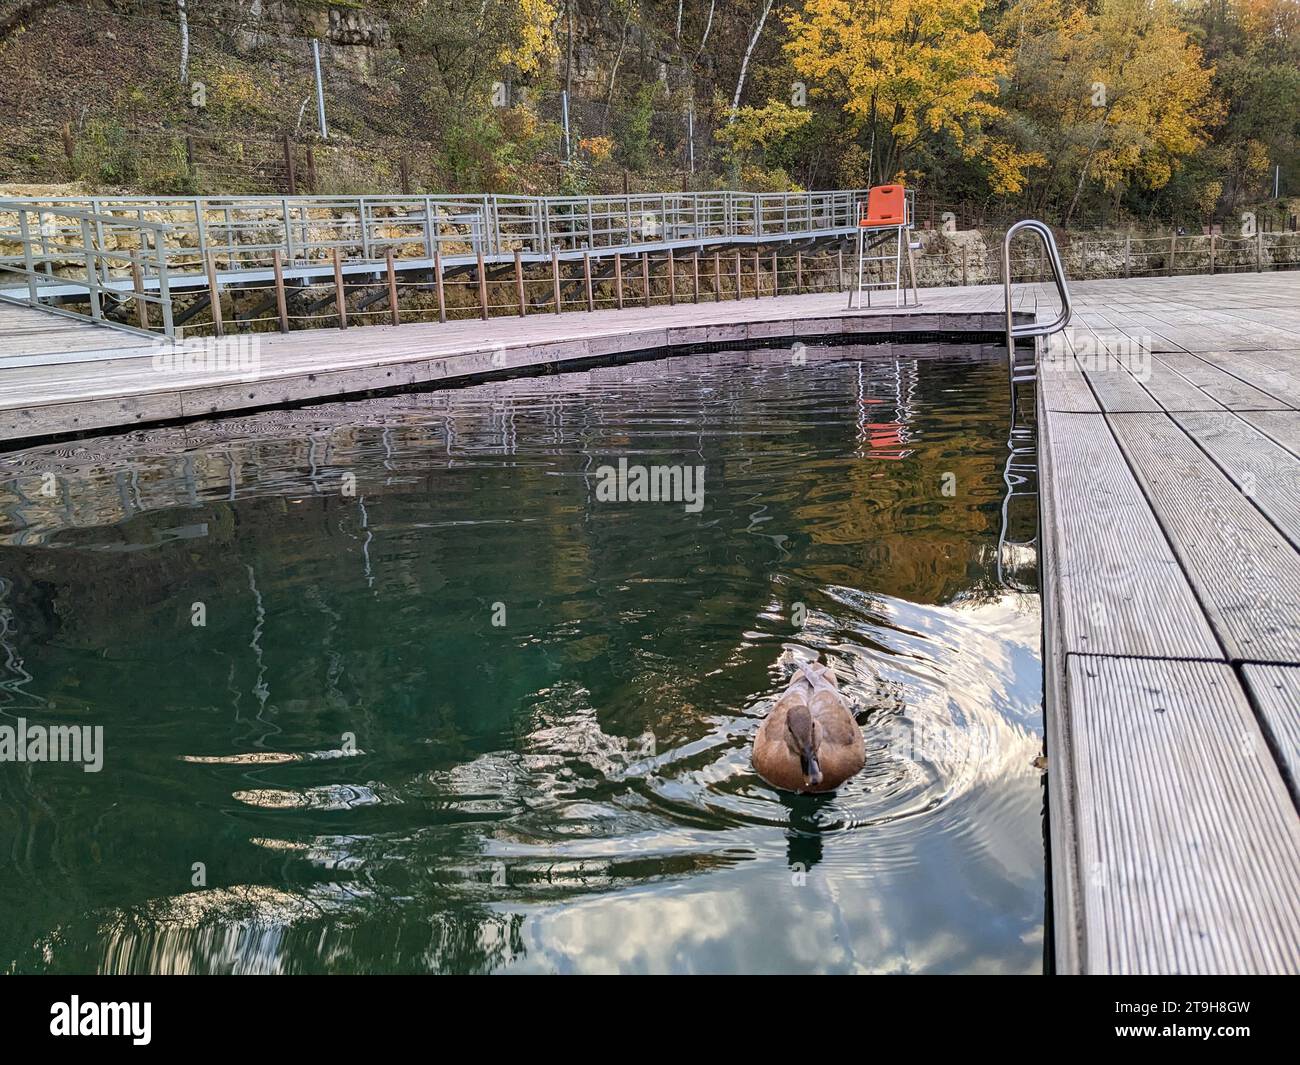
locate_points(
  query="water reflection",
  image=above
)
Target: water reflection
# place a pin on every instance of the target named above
(373, 776)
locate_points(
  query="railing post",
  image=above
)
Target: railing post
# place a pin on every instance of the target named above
(365, 228)
(164, 286)
(437, 273)
(200, 229)
(137, 285)
(214, 293)
(92, 268)
(395, 314)
(24, 235)
(99, 237)
(340, 292)
(482, 283)
(519, 282)
(288, 229)
(281, 304)
(45, 244)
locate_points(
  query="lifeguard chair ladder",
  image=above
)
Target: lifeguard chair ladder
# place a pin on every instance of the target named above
(888, 218)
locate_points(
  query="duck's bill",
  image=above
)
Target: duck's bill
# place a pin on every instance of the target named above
(812, 772)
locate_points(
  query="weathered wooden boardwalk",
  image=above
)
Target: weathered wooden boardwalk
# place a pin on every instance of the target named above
(1169, 425)
(1169, 443)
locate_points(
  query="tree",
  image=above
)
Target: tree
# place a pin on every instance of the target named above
(182, 16)
(749, 51)
(908, 72)
(1114, 93)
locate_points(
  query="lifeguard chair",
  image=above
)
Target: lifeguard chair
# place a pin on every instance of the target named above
(888, 218)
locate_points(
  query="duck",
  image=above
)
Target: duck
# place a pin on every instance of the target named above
(809, 741)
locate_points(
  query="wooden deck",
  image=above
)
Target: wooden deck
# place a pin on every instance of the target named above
(1169, 444)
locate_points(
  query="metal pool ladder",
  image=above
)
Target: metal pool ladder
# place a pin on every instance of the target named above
(1020, 372)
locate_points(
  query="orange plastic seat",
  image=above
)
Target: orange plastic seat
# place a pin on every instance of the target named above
(885, 207)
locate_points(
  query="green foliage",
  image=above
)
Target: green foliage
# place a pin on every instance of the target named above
(632, 134)
(106, 156)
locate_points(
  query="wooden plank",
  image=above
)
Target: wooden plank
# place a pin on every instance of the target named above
(1276, 692)
(1116, 388)
(1267, 473)
(1064, 871)
(1189, 842)
(1060, 381)
(1245, 573)
(1174, 392)
(1270, 372)
(1283, 426)
(1120, 588)
(1231, 391)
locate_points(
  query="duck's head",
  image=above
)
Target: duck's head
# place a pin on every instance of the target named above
(804, 737)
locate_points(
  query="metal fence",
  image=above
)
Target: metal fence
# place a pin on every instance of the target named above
(95, 249)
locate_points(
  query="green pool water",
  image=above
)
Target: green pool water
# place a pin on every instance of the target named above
(393, 685)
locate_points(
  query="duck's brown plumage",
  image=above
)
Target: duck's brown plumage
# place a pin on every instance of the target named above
(836, 740)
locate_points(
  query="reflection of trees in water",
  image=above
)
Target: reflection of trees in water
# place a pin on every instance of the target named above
(260, 930)
(330, 613)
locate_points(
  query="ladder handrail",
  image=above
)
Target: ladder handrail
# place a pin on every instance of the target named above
(1034, 329)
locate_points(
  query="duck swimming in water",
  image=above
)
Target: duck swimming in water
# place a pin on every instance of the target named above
(810, 740)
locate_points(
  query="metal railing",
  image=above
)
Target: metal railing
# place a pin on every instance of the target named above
(242, 231)
(99, 258)
(1032, 329)
(105, 252)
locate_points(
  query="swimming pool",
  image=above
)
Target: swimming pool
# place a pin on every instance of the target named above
(427, 683)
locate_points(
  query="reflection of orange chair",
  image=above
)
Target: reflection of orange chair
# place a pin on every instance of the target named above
(885, 207)
(887, 210)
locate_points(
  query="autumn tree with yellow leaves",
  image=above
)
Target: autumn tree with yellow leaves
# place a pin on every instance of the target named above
(908, 72)
(1114, 93)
